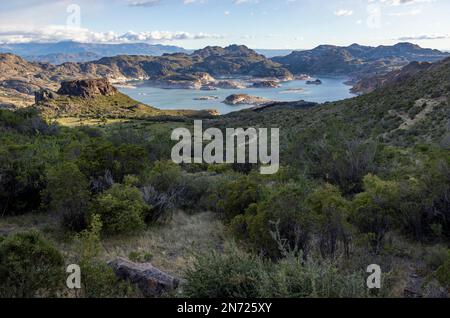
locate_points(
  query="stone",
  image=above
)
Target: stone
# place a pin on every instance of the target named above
(151, 281)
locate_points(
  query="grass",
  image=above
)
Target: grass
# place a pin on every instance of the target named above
(111, 107)
(170, 247)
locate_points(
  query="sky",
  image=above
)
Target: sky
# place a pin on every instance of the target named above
(259, 24)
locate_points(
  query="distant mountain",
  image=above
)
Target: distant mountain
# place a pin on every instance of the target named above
(273, 53)
(61, 58)
(64, 51)
(21, 78)
(357, 61)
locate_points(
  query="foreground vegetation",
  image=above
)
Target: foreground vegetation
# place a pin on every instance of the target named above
(354, 189)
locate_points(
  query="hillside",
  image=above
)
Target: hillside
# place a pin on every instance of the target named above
(409, 110)
(97, 98)
(369, 84)
(357, 61)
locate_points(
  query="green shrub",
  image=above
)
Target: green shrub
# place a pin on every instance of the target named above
(98, 279)
(280, 222)
(443, 273)
(121, 209)
(69, 195)
(164, 176)
(234, 274)
(330, 211)
(29, 266)
(238, 195)
(375, 211)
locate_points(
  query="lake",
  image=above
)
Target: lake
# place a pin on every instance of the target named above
(332, 89)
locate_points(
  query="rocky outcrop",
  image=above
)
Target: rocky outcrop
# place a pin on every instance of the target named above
(206, 98)
(87, 88)
(244, 99)
(151, 281)
(44, 95)
(316, 82)
(227, 84)
(266, 84)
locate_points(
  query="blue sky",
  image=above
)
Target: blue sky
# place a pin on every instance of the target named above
(282, 24)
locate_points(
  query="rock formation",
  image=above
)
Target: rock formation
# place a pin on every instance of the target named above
(266, 84)
(87, 88)
(151, 281)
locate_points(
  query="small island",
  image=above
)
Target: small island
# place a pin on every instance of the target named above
(316, 82)
(205, 98)
(265, 84)
(244, 99)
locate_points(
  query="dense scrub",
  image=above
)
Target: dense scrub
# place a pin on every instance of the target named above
(353, 190)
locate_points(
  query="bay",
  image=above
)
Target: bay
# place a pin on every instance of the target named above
(332, 89)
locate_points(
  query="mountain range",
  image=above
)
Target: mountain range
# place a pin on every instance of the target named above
(69, 51)
(357, 61)
(206, 68)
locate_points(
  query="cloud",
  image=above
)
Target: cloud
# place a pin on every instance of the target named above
(55, 33)
(425, 37)
(406, 13)
(400, 2)
(343, 13)
(144, 3)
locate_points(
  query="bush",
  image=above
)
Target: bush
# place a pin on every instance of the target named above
(29, 266)
(68, 191)
(375, 211)
(98, 279)
(121, 209)
(278, 223)
(443, 273)
(330, 211)
(337, 159)
(164, 176)
(318, 279)
(234, 274)
(238, 196)
(100, 156)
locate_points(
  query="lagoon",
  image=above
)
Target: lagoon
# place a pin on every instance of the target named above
(332, 89)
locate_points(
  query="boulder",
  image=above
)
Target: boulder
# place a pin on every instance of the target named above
(87, 88)
(151, 281)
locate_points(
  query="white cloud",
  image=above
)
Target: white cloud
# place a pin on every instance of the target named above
(425, 37)
(343, 13)
(55, 33)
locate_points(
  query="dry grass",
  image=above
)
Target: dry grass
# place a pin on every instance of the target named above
(173, 246)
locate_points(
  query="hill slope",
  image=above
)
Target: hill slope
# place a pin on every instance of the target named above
(406, 112)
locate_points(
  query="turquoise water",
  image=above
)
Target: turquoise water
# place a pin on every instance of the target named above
(332, 89)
